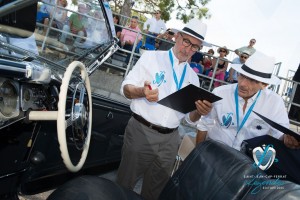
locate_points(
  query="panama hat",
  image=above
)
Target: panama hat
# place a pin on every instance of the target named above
(225, 48)
(247, 52)
(195, 28)
(258, 67)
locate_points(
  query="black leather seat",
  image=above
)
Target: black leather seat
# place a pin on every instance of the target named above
(211, 171)
(217, 171)
(92, 188)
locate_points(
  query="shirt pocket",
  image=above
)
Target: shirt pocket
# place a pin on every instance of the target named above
(259, 127)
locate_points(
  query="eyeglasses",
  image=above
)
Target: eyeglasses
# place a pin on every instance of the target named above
(186, 42)
(223, 51)
(135, 17)
(245, 57)
(170, 33)
(243, 77)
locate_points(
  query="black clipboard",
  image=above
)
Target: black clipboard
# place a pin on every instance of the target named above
(184, 99)
(279, 127)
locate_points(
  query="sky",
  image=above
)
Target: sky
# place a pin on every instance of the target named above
(275, 24)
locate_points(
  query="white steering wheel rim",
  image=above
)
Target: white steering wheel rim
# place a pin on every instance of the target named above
(61, 121)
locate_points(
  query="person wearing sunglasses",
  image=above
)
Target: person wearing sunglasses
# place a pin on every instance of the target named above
(165, 41)
(249, 48)
(151, 138)
(232, 78)
(153, 27)
(221, 65)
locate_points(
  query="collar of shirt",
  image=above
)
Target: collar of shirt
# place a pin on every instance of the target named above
(250, 100)
(136, 28)
(178, 66)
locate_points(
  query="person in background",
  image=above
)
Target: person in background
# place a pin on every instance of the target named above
(128, 37)
(198, 57)
(232, 78)
(221, 65)
(44, 12)
(117, 28)
(76, 25)
(151, 137)
(249, 48)
(196, 61)
(207, 61)
(156, 26)
(59, 17)
(165, 45)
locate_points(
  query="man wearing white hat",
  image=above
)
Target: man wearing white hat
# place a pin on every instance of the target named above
(151, 136)
(232, 78)
(231, 120)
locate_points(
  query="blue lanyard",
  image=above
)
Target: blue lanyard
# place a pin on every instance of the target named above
(239, 127)
(174, 74)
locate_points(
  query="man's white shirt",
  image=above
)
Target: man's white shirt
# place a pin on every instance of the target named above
(155, 66)
(155, 26)
(221, 122)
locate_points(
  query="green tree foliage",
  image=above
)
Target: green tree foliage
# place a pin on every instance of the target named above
(185, 9)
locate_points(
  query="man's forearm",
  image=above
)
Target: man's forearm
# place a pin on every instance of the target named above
(201, 136)
(133, 92)
(194, 116)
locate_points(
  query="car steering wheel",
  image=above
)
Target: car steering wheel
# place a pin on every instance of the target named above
(80, 117)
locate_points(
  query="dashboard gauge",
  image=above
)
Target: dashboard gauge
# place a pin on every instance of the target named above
(26, 95)
(8, 98)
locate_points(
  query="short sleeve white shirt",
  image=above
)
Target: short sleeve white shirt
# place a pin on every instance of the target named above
(221, 122)
(155, 26)
(155, 66)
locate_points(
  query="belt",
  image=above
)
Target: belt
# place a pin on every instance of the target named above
(160, 129)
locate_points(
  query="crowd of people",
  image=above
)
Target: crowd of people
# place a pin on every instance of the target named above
(157, 37)
(82, 28)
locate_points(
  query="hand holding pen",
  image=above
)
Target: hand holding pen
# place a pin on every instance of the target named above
(150, 93)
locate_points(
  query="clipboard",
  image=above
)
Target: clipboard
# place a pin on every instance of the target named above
(279, 127)
(184, 99)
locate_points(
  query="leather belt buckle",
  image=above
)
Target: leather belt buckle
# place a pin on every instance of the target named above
(157, 128)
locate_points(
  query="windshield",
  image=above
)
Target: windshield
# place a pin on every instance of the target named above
(54, 32)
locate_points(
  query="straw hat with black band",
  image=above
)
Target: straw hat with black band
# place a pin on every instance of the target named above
(258, 67)
(195, 28)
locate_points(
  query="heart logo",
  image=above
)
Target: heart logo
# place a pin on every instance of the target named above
(159, 78)
(264, 156)
(227, 119)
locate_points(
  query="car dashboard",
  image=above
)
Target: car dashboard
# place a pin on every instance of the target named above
(24, 86)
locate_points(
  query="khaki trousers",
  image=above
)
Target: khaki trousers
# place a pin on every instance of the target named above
(149, 154)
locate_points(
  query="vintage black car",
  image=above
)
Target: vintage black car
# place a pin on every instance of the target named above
(56, 122)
